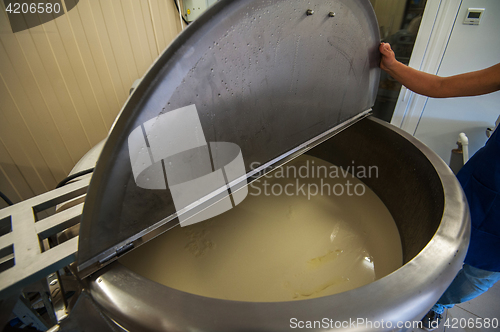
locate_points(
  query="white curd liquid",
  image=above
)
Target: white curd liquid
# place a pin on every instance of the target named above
(279, 247)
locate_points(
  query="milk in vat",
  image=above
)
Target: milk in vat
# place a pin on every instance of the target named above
(285, 241)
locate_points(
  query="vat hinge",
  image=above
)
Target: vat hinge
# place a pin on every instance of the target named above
(119, 252)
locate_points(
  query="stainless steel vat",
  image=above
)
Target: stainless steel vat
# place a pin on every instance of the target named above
(269, 76)
(274, 77)
(430, 211)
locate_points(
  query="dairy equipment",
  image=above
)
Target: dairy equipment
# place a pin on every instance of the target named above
(194, 8)
(275, 78)
(285, 87)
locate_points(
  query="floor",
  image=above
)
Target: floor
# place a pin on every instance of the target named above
(479, 309)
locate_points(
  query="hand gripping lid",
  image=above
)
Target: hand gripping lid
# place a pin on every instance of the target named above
(247, 86)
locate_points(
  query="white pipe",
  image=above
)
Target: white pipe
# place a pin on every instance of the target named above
(462, 138)
(180, 14)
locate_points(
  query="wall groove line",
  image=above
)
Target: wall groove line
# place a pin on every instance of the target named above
(104, 57)
(45, 103)
(69, 93)
(82, 60)
(154, 27)
(35, 170)
(29, 104)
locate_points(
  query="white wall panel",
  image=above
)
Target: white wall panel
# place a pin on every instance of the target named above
(469, 48)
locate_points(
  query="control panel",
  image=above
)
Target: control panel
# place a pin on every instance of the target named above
(473, 16)
(193, 8)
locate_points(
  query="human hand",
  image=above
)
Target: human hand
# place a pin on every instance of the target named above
(388, 58)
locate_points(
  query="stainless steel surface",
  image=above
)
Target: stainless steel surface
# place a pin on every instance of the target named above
(22, 246)
(89, 160)
(57, 296)
(262, 74)
(55, 328)
(430, 211)
(29, 316)
(87, 317)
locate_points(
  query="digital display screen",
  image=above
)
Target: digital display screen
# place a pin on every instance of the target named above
(474, 15)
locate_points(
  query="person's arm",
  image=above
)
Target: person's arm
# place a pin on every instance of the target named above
(468, 84)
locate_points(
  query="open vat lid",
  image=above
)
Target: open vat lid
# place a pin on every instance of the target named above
(244, 88)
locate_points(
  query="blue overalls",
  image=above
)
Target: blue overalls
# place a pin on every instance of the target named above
(480, 179)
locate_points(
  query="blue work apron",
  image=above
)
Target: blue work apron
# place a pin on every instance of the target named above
(480, 179)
